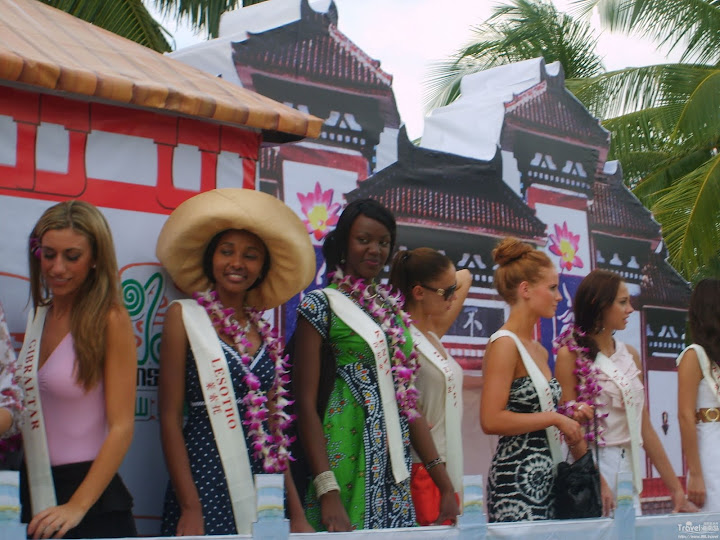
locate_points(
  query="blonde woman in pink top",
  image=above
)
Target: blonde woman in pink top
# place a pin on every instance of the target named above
(78, 363)
(598, 372)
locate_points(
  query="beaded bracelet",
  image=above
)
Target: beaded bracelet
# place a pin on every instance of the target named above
(325, 482)
(434, 463)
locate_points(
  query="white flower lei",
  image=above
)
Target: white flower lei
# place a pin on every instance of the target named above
(385, 306)
(272, 448)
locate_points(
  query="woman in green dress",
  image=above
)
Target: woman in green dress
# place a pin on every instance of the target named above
(353, 375)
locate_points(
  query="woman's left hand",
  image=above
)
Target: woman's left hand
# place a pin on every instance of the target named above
(681, 503)
(55, 521)
(583, 412)
(449, 508)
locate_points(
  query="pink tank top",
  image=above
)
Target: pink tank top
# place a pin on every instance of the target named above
(75, 420)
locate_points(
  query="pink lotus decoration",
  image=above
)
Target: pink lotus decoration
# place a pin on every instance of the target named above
(565, 245)
(321, 212)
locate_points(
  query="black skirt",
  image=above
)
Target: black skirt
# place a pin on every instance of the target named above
(110, 517)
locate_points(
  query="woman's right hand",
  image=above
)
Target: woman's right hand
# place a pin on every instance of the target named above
(570, 429)
(607, 497)
(191, 523)
(333, 514)
(696, 489)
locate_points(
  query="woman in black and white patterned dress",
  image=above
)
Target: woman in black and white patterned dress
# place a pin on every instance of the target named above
(522, 470)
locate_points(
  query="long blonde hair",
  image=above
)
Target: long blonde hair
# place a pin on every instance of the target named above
(97, 295)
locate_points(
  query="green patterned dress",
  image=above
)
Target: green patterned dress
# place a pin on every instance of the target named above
(354, 428)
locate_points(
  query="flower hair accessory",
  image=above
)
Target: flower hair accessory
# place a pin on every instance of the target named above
(273, 447)
(35, 247)
(588, 388)
(385, 306)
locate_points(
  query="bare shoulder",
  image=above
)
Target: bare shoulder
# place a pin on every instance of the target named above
(635, 355)
(118, 319)
(565, 359)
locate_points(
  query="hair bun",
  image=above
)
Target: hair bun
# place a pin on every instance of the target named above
(510, 249)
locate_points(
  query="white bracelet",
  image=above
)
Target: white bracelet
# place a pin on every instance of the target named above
(325, 482)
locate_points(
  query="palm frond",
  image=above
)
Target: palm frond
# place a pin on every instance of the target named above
(127, 18)
(689, 213)
(689, 25)
(518, 30)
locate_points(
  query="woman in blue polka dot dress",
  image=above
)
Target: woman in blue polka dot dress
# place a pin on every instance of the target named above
(237, 252)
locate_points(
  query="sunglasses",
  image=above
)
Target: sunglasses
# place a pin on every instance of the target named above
(445, 293)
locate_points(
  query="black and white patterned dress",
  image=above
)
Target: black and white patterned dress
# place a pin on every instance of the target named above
(205, 465)
(520, 484)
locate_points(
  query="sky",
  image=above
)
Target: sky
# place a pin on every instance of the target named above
(407, 36)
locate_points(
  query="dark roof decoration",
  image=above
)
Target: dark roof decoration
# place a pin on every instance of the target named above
(662, 286)
(451, 192)
(616, 211)
(548, 107)
(314, 50)
(270, 163)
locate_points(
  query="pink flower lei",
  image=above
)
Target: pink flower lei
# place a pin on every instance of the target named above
(272, 448)
(385, 306)
(588, 388)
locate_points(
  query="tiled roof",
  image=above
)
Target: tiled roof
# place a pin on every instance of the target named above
(450, 191)
(661, 285)
(314, 50)
(616, 211)
(48, 49)
(550, 108)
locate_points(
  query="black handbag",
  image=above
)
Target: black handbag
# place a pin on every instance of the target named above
(577, 487)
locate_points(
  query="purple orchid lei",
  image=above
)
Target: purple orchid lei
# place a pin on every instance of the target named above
(272, 448)
(384, 304)
(588, 388)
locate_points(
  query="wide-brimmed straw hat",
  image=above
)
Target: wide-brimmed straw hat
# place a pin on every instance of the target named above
(189, 229)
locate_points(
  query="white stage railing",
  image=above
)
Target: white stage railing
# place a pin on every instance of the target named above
(471, 525)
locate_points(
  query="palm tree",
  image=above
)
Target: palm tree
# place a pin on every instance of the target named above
(519, 30)
(665, 122)
(664, 119)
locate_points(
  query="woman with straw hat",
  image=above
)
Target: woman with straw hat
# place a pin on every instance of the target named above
(238, 252)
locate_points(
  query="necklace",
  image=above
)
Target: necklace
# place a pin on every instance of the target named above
(385, 306)
(588, 388)
(272, 447)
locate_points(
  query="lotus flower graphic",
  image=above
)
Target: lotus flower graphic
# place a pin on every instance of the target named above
(321, 212)
(565, 245)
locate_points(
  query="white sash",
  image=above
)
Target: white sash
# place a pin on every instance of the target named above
(710, 370)
(632, 412)
(368, 329)
(453, 435)
(544, 392)
(37, 455)
(222, 409)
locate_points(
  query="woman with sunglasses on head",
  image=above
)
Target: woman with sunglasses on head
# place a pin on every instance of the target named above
(354, 372)
(699, 396)
(434, 294)
(520, 395)
(598, 372)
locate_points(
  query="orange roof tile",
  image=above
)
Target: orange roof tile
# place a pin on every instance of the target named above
(42, 46)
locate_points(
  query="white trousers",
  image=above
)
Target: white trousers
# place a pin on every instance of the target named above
(614, 460)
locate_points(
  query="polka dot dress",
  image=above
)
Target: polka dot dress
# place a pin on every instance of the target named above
(205, 465)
